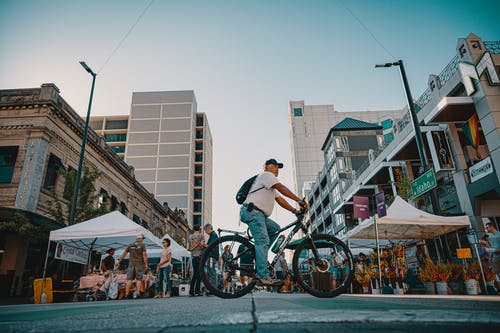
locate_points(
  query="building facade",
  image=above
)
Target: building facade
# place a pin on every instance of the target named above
(169, 144)
(459, 117)
(310, 124)
(41, 135)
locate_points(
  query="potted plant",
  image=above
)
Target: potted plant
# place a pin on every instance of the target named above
(428, 275)
(472, 275)
(443, 274)
(457, 276)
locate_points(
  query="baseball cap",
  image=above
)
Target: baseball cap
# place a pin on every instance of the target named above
(140, 236)
(274, 162)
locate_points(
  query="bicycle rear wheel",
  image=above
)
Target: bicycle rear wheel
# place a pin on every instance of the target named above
(331, 273)
(232, 275)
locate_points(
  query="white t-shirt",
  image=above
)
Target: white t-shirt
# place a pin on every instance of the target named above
(266, 195)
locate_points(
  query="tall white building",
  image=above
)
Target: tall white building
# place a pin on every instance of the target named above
(169, 145)
(309, 126)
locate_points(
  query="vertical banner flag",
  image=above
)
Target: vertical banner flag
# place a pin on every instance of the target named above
(471, 131)
(361, 207)
(380, 201)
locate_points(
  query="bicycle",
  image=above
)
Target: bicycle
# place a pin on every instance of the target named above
(313, 267)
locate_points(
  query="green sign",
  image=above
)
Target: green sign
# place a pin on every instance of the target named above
(423, 183)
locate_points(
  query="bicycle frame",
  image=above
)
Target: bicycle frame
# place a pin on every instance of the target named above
(297, 225)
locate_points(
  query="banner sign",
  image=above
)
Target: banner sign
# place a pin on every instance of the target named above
(464, 253)
(440, 151)
(424, 183)
(481, 169)
(380, 201)
(361, 207)
(71, 253)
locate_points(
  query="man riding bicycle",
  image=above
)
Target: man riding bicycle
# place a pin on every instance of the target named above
(256, 210)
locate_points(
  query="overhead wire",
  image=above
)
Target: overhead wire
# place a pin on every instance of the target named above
(367, 29)
(126, 35)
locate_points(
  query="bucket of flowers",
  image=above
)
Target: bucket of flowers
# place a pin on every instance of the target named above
(457, 276)
(472, 275)
(428, 274)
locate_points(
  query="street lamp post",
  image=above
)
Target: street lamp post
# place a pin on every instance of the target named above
(413, 113)
(82, 151)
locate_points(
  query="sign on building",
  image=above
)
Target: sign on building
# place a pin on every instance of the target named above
(426, 182)
(380, 201)
(361, 207)
(440, 151)
(481, 169)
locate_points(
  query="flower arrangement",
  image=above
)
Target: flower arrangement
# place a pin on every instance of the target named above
(489, 275)
(429, 272)
(443, 272)
(363, 275)
(473, 272)
(457, 272)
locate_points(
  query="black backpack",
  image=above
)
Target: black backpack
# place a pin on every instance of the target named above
(242, 194)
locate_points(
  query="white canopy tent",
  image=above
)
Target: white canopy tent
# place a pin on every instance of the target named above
(403, 221)
(112, 230)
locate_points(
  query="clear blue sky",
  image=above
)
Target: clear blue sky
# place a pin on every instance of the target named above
(244, 60)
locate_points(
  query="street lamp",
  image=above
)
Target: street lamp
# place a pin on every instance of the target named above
(82, 151)
(413, 113)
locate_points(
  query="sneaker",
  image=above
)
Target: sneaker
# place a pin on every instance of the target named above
(270, 282)
(134, 296)
(158, 296)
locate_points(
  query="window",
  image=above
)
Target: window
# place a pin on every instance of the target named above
(96, 125)
(198, 169)
(333, 173)
(69, 183)
(114, 203)
(197, 194)
(115, 137)
(136, 219)
(199, 158)
(330, 154)
(197, 207)
(198, 181)
(196, 219)
(336, 194)
(199, 121)
(199, 145)
(118, 149)
(123, 208)
(8, 156)
(199, 134)
(53, 166)
(117, 124)
(103, 198)
(297, 112)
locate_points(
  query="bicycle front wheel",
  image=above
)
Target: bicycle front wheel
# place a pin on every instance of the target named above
(325, 269)
(227, 267)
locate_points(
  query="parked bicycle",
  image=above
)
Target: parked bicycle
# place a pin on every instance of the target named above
(313, 265)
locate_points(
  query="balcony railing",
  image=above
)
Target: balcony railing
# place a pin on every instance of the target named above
(492, 47)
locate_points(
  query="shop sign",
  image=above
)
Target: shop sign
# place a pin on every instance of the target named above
(464, 253)
(471, 73)
(71, 253)
(480, 169)
(380, 201)
(361, 207)
(440, 151)
(424, 183)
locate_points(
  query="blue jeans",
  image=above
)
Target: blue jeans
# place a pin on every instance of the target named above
(163, 274)
(194, 286)
(262, 229)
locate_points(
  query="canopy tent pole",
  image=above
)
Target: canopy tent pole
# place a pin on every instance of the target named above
(44, 270)
(90, 254)
(378, 254)
(481, 268)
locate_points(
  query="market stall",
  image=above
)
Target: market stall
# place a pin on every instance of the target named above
(403, 221)
(112, 230)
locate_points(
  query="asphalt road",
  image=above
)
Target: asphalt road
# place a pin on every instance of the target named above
(262, 312)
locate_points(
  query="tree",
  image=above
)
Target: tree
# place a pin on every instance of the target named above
(86, 204)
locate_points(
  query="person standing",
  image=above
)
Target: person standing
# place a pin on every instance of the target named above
(164, 268)
(108, 263)
(213, 256)
(137, 265)
(494, 249)
(246, 264)
(196, 244)
(256, 210)
(226, 269)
